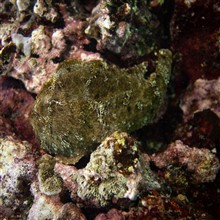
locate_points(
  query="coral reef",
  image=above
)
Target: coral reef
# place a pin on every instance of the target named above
(45, 207)
(17, 168)
(71, 212)
(201, 131)
(169, 163)
(201, 116)
(201, 164)
(39, 52)
(6, 127)
(111, 214)
(104, 99)
(115, 171)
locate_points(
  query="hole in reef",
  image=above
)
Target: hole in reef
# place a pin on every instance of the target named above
(65, 196)
(91, 213)
(35, 55)
(151, 67)
(10, 82)
(82, 162)
(146, 74)
(89, 4)
(153, 167)
(58, 60)
(91, 46)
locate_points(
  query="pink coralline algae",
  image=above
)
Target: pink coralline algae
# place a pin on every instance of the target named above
(32, 54)
(201, 164)
(6, 127)
(111, 214)
(203, 95)
(16, 105)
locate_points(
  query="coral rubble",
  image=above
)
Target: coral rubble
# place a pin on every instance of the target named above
(51, 207)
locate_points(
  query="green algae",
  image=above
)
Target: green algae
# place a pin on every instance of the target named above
(84, 102)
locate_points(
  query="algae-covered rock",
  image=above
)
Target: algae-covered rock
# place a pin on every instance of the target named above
(116, 171)
(85, 101)
(127, 28)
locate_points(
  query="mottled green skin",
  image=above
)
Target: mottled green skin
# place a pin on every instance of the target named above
(85, 101)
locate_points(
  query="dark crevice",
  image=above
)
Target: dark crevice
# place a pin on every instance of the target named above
(91, 46)
(58, 60)
(10, 82)
(82, 162)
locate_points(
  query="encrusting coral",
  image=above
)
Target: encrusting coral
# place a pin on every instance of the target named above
(85, 101)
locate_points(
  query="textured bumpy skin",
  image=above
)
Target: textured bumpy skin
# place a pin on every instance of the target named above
(85, 101)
